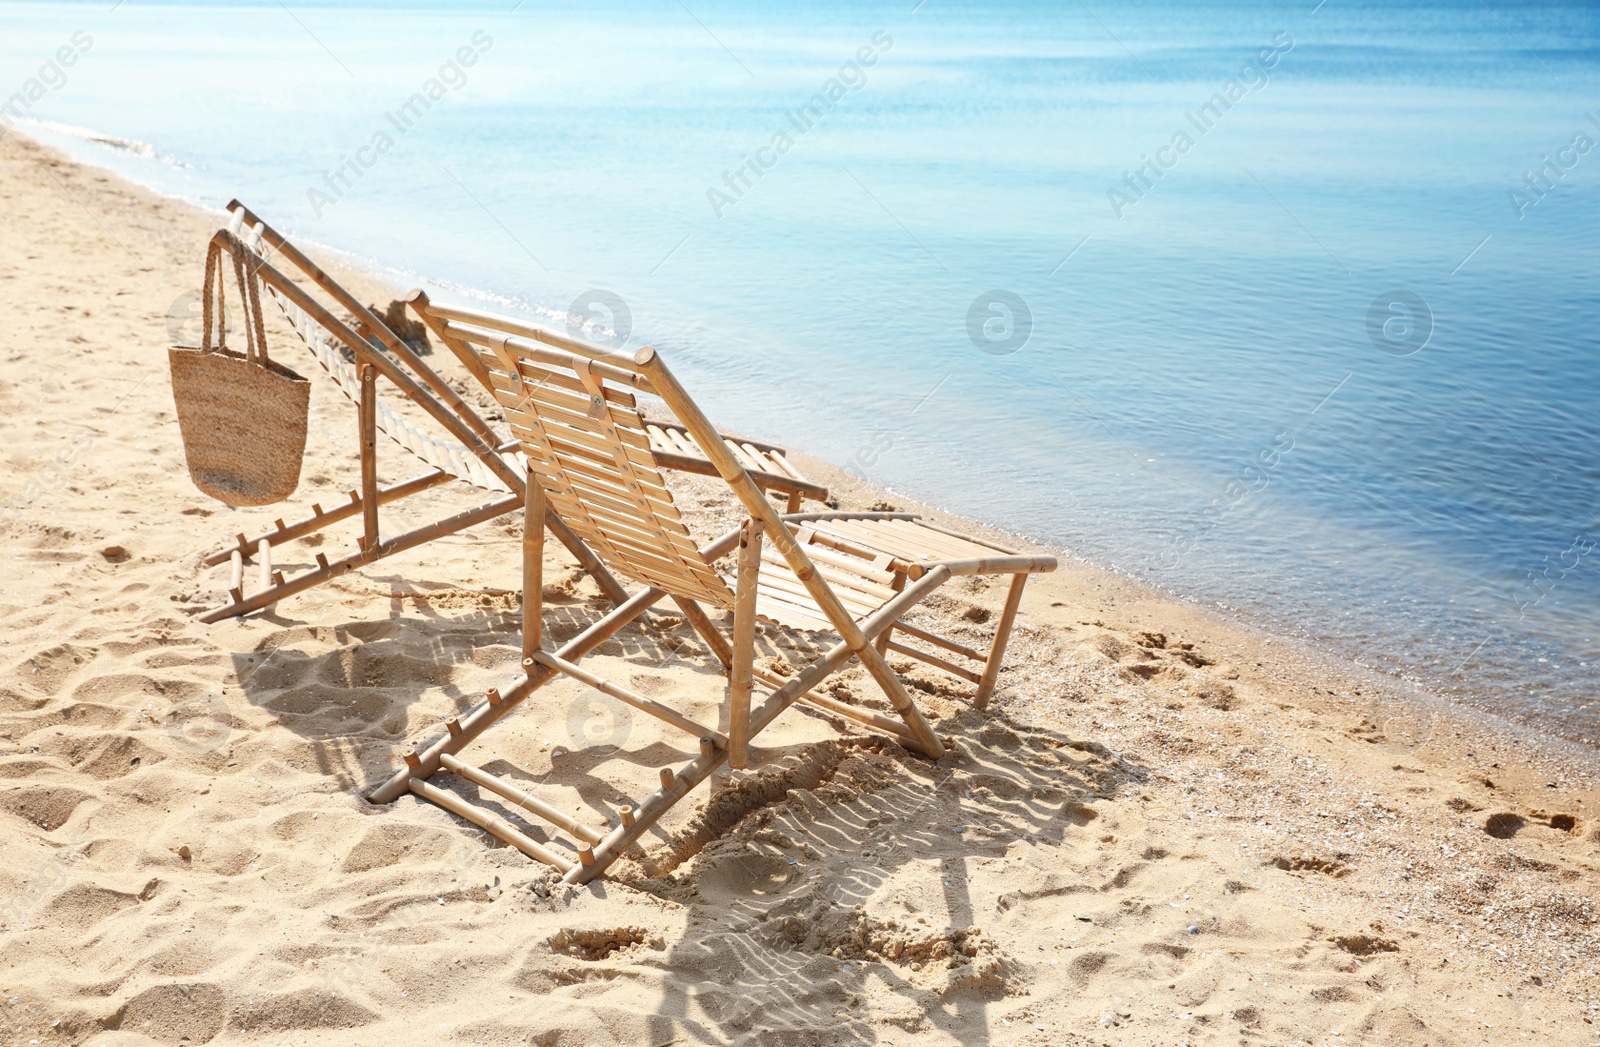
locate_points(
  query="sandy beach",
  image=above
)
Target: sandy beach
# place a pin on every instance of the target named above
(1166, 829)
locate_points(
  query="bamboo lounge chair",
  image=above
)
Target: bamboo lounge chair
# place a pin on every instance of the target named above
(468, 452)
(591, 463)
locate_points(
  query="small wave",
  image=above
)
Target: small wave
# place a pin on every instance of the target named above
(130, 146)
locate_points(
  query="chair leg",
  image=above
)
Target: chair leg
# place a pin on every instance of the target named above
(997, 650)
(889, 682)
(532, 572)
(368, 419)
(882, 642)
(744, 644)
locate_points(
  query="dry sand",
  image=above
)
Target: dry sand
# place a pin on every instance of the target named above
(1167, 829)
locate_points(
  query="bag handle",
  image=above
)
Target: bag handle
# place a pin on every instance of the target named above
(248, 272)
(214, 305)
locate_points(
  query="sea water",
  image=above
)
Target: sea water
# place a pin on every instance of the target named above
(1290, 309)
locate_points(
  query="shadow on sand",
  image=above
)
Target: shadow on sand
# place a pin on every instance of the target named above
(828, 887)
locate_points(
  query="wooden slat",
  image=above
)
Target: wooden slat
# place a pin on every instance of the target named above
(788, 614)
(564, 383)
(874, 540)
(641, 547)
(558, 434)
(597, 450)
(503, 384)
(672, 576)
(790, 589)
(754, 465)
(681, 443)
(627, 529)
(669, 533)
(680, 427)
(782, 462)
(969, 538)
(855, 598)
(844, 562)
(597, 476)
(557, 419)
(933, 540)
(628, 509)
(563, 393)
(762, 462)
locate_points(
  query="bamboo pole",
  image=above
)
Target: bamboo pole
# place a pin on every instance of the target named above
(264, 564)
(368, 420)
(633, 698)
(837, 655)
(668, 425)
(872, 721)
(495, 784)
(939, 663)
(700, 427)
(533, 508)
(940, 641)
(997, 651)
(490, 823)
(487, 714)
(888, 631)
(320, 519)
(236, 576)
(411, 539)
(418, 301)
(795, 489)
(674, 786)
(744, 644)
(866, 718)
(992, 565)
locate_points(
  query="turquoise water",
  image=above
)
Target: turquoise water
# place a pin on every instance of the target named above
(1317, 352)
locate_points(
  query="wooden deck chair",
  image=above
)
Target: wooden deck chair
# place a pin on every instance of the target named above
(464, 449)
(571, 404)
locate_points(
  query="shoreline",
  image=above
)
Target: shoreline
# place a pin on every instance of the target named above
(1538, 727)
(1266, 834)
(398, 281)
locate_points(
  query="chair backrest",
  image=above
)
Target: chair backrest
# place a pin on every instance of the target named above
(587, 445)
(331, 349)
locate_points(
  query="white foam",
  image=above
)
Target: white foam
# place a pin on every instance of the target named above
(129, 146)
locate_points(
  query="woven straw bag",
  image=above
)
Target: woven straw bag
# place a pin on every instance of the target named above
(243, 417)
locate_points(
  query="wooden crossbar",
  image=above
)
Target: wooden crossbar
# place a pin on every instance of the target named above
(661, 712)
(504, 789)
(438, 529)
(489, 822)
